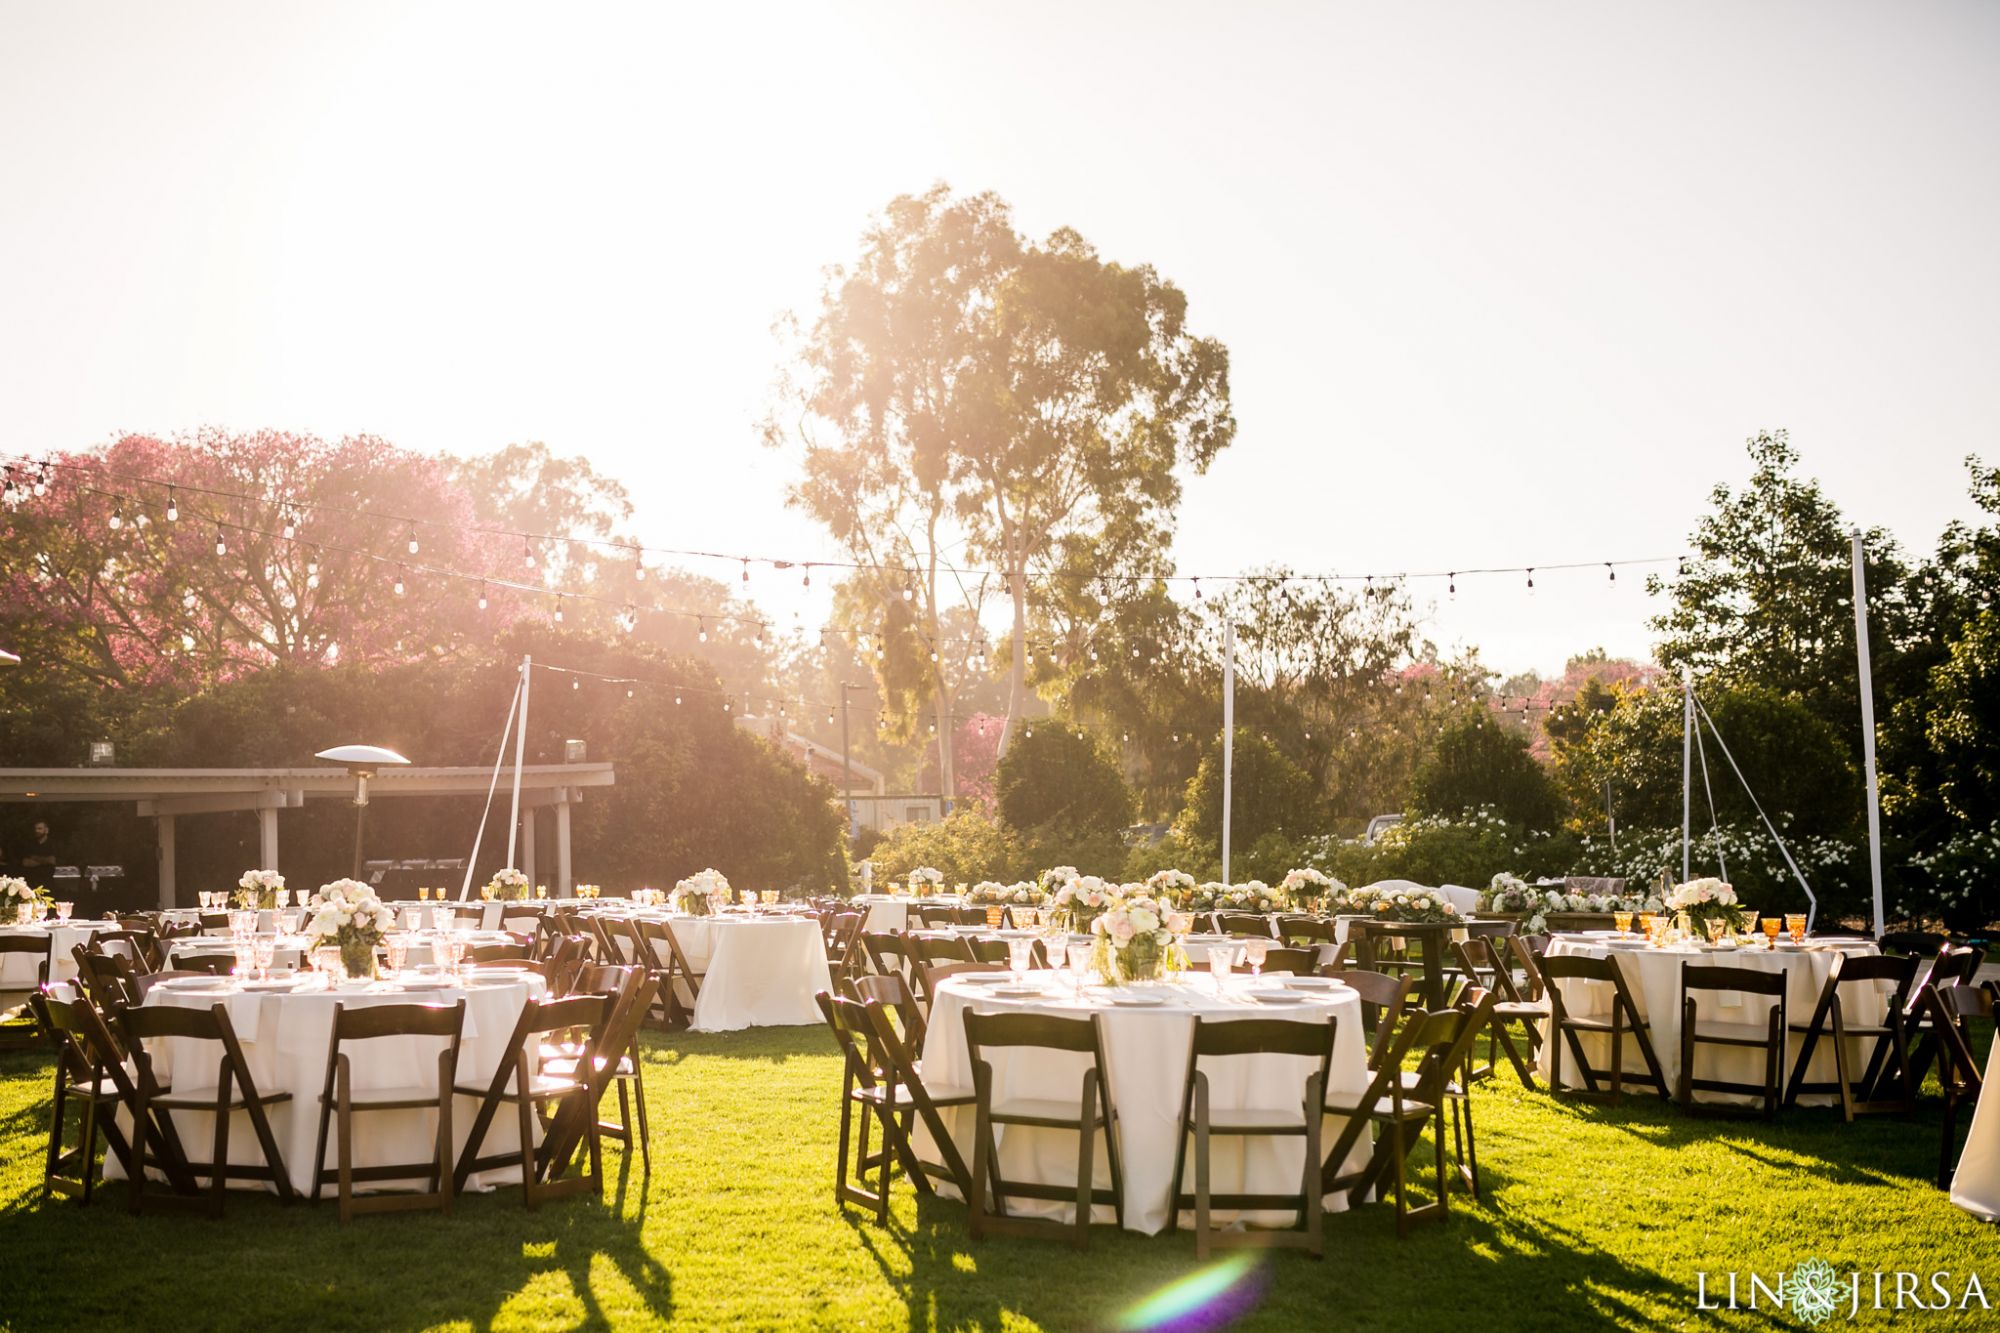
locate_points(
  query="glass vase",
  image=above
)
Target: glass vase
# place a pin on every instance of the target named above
(358, 958)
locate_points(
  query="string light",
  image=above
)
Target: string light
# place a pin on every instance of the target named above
(701, 630)
(117, 519)
(559, 609)
(1452, 588)
(291, 528)
(1531, 578)
(639, 571)
(527, 553)
(173, 509)
(807, 580)
(413, 539)
(746, 570)
(221, 546)
(482, 595)
(399, 580)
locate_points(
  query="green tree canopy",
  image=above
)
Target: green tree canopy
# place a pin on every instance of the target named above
(1476, 762)
(1060, 780)
(1269, 794)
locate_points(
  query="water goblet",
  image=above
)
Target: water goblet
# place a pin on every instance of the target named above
(1771, 927)
(1715, 925)
(1079, 964)
(263, 948)
(1253, 955)
(994, 917)
(1646, 920)
(1795, 926)
(398, 949)
(1623, 921)
(1020, 956)
(1221, 957)
(441, 919)
(63, 910)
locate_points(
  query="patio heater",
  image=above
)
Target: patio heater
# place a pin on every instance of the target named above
(362, 761)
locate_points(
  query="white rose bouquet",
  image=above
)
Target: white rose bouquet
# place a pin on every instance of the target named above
(259, 888)
(1131, 940)
(1415, 905)
(1308, 886)
(1171, 886)
(346, 913)
(506, 885)
(1705, 900)
(703, 892)
(16, 894)
(925, 880)
(1250, 896)
(1344, 901)
(1082, 900)
(990, 893)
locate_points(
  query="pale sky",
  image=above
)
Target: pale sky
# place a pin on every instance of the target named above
(1502, 283)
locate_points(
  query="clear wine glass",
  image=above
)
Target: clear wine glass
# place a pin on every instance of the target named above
(398, 948)
(1253, 956)
(262, 950)
(1020, 954)
(1221, 957)
(1079, 965)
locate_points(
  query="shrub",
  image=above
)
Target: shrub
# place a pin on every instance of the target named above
(1755, 868)
(1478, 764)
(1433, 849)
(1269, 794)
(1059, 780)
(967, 845)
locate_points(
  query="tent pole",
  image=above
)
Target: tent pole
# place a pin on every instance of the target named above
(520, 749)
(1868, 728)
(1687, 762)
(1228, 736)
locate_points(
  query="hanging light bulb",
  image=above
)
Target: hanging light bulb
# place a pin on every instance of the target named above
(575, 683)
(829, 717)
(139, 519)
(173, 509)
(1681, 567)
(909, 593)
(1452, 589)
(807, 580)
(628, 691)
(677, 699)
(412, 534)
(399, 580)
(117, 519)
(1197, 590)
(746, 571)
(726, 704)
(1028, 730)
(559, 609)
(187, 641)
(1610, 574)
(482, 594)
(701, 629)
(291, 528)
(1531, 578)
(527, 554)
(221, 546)
(639, 571)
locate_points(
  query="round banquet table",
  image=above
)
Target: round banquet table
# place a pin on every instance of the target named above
(1146, 1055)
(285, 1037)
(1653, 976)
(18, 970)
(757, 970)
(291, 949)
(1975, 1185)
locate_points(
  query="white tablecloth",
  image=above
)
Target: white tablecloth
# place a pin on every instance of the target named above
(17, 970)
(884, 913)
(1654, 978)
(1975, 1186)
(285, 1039)
(760, 972)
(1146, 1054)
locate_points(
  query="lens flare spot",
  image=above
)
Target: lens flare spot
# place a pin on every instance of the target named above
(1211, 1298)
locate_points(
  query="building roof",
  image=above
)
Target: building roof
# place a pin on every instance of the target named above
(193, 790)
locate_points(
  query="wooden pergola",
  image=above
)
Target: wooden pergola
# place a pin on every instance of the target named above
(161, 794)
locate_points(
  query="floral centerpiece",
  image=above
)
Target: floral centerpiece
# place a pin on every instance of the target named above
(1202, 897)
(1081, 901)
(16, 896)
(506, 885)
(1171, 886)
(1705, 900)
(1131, 941)
(259, 888)
(1414, 905)
(346, 913)
(703, 892)
(925, 880)
(1343, 901)
(1252, 895)
(1509, 893)
(992, 893)
(1309, 887)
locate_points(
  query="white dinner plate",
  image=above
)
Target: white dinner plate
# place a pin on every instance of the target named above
(195, 985)
(1276, 997)
(984, 979)
(273, 984)
(424, 983)
(1311, 983)
(1138, 1001)
(1017, 992)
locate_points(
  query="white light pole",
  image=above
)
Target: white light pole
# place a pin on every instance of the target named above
(1228, 736)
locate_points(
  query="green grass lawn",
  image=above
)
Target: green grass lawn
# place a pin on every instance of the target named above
(1596, 1216)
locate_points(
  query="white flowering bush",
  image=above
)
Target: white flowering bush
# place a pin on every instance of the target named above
(1953, 884)
(1756, 868)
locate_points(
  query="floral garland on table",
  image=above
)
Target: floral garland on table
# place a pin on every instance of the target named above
(259, 888)
(1705, 900)
(347, 913)
(1309, 887)
(506, 885)
(1415, 906)
(15, 894)
(1082, 900)
(703, 892)
(1130, 939)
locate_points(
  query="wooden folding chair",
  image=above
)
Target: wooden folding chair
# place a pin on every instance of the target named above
(500, 953)
(618, 986)
(1954, 1009)
(90, 1074)
(1383, 999)
(1861, 1091)
(895, 996)
(865, 1094)
(1486, 966)
(520, 920)
(536, 1098)
(896, 1057)
(1954, 965)
(1091, 1114)
(656, 947)
(142, 946)
(1305, 932)
(1238, 1039)
(844, 955)
(927, 979)
(234, 1092)
(25, 1030)
(339, 1104)
(887, 952)
(1293, 962)
(1402, 1108)
(1415, 950)
(206, 964)
(1624, 1022)
(1766, 1034)
(613, 1063)
(1247, 925)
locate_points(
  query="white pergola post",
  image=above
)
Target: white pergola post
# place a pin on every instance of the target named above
(526, 864)
(166, 826)
(562, 847)
(267, 838)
